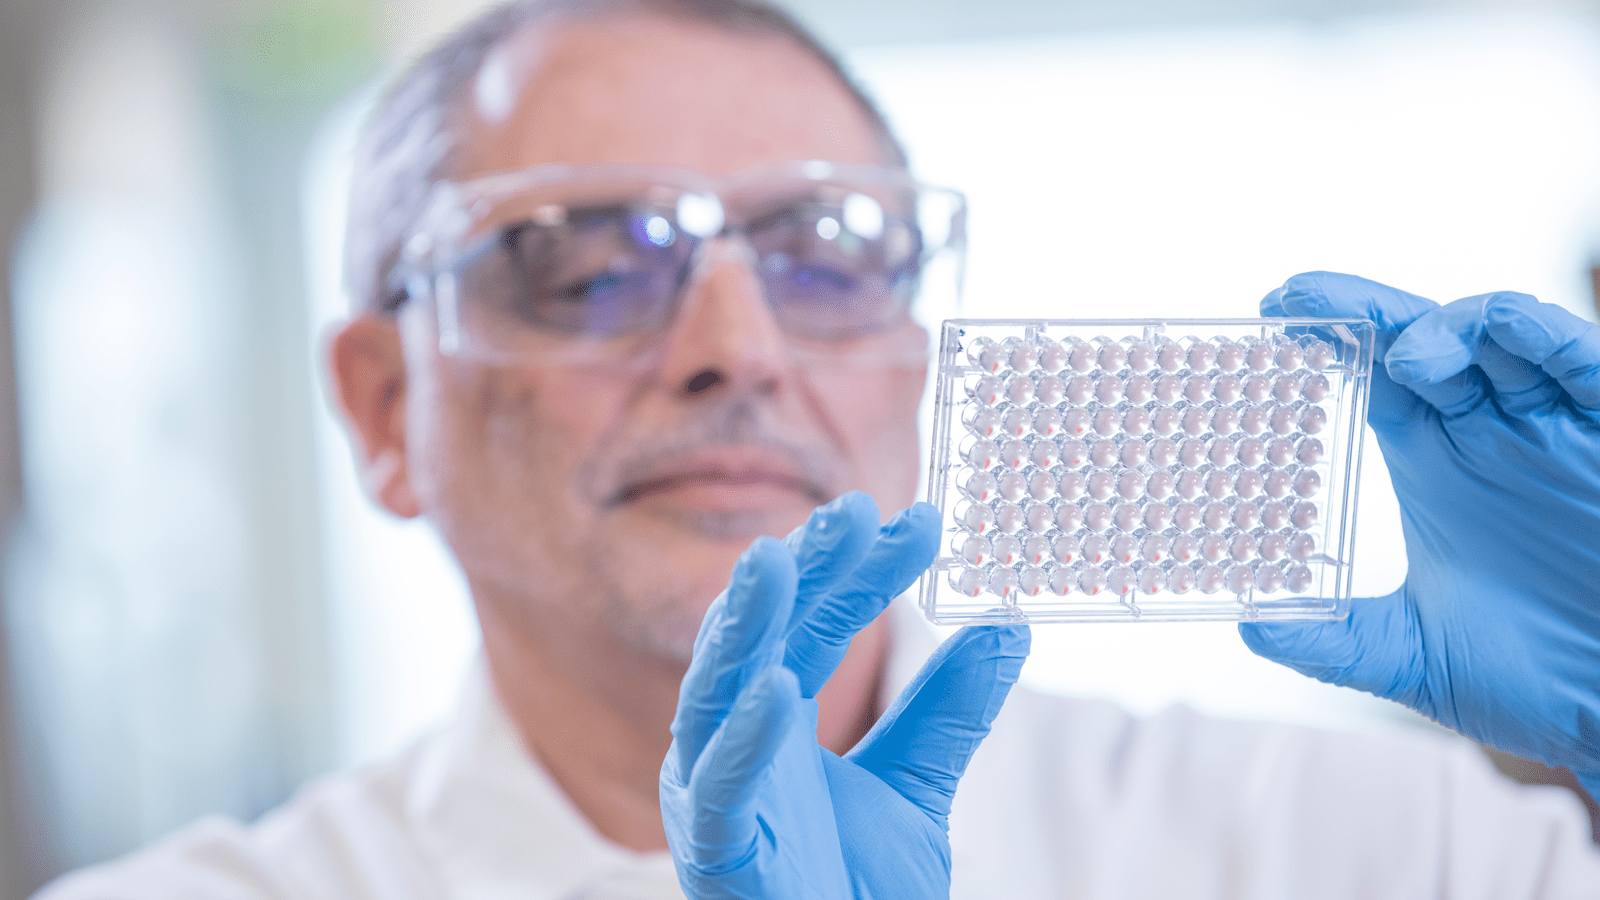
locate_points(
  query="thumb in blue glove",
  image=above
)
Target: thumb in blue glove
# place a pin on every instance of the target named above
(1487, 411)
(753, 807)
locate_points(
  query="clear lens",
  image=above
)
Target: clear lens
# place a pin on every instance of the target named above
(601, 272)
(568, 263)
(826, 279)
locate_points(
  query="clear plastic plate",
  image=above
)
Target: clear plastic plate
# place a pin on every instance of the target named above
(1145, 469)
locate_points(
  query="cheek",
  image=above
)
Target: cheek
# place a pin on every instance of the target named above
(502, 455)
(536, 434)
(878, 417)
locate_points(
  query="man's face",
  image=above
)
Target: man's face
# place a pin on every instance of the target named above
(615, 502)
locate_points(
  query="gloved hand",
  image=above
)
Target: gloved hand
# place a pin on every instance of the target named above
(1488, 414)
(753, 807)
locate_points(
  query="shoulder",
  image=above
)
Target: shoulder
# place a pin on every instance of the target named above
(1181, 799)
(1194, 761)
(346, 835)
(213, 858)
(1186, 751)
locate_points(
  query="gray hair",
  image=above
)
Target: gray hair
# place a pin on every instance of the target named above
(412, 134)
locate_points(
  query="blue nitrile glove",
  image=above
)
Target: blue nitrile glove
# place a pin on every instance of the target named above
(1488, 413)
(753, 806)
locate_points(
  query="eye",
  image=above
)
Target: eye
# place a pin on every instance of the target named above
(600, 288)
(822, 277)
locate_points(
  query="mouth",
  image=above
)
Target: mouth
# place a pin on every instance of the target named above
(727, 480)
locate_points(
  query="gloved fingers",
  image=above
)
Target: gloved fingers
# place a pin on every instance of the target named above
(921, 746)
(1446, 342)
(903, 550)
(829, 546)
(742, 634)
(1377, 649)
(1332, 295)
(1434, 357)
(1566, 347)
(1272, 304)
(1454, 396)
(1519, 385)
(734, 766)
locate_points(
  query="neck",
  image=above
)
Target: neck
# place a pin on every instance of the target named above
(596, 714)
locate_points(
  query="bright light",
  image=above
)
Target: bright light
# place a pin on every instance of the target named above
(659, 231)
(863, 215)
(700, 214)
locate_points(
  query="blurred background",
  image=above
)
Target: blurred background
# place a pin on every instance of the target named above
(201, 612)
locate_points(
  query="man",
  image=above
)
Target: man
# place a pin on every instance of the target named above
(615, 356)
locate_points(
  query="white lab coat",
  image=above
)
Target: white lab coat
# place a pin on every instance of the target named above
(1067, 798)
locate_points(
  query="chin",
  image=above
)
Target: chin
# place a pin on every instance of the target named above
(728, 525)
(653, 588)
(743, 527)
(664, 564)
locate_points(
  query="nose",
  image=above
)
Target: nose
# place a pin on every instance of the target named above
(725, 338)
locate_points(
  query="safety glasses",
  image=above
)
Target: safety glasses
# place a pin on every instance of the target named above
(567, 264)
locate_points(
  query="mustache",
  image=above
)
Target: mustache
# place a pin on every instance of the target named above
(737, 423)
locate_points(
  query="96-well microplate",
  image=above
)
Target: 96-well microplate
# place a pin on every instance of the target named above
(1120, 470)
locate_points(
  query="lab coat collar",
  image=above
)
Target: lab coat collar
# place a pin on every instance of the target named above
(498, 826)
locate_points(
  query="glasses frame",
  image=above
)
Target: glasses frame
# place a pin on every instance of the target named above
(435, 248)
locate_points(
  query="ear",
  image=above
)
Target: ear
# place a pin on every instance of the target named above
(367, 365)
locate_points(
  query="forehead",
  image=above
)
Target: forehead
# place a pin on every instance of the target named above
(657, 92)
